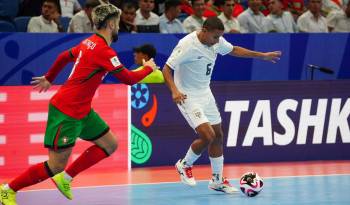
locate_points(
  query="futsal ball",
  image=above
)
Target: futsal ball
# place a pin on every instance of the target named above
(251, 184)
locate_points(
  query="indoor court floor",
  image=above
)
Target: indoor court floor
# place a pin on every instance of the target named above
(302, 183)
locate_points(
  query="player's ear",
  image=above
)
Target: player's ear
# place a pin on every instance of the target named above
(110, 24)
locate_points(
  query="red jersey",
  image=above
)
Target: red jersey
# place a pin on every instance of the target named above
(93, 60)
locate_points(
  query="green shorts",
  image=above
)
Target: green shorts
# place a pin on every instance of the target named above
(62, 131)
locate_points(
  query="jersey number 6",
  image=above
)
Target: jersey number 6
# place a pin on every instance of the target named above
(208, 69)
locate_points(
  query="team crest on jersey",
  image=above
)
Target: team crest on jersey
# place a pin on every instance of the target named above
(115, 61)
(197, 113)
(65, 140)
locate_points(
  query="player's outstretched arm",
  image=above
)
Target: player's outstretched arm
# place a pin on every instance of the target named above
(43, 83)
(246, 53)
(62, 60)
(132, 77)
(40, 83)
(177, 96)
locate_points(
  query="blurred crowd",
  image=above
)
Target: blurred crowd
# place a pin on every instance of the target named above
(180, 16)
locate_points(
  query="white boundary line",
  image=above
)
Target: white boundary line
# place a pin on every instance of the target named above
(129, 127)
(178, 182)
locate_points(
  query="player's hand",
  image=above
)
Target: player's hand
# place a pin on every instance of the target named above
(150, 63)
(40, 83)
(272, 56)
(178, 97)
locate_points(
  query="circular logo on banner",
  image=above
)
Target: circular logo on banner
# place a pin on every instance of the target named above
(139, 96)
(141, 146)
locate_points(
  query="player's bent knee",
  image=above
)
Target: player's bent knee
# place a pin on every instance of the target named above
(208, 137)
(55, 167)
(112, 147)
(218, 140)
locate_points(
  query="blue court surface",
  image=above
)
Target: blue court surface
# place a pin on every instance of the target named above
(301, 190)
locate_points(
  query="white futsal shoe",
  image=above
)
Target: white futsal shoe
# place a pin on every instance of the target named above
(185, 173)
(222, 186)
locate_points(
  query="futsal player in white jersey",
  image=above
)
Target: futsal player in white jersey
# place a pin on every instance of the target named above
(192, 61)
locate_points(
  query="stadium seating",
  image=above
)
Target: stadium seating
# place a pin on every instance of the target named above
(21, 23)
(6, 26)
(65, 23)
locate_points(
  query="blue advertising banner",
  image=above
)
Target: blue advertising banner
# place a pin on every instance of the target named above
(262, 122)
(24, 55)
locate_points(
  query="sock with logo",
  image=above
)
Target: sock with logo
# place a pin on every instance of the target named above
(217, 166)
(190, 157)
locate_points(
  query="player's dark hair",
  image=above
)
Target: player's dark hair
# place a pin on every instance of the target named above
(128, 5)
(56, 3)
(171, 3)
(213, 23)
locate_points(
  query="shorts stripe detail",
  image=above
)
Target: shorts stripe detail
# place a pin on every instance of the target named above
(55, 142)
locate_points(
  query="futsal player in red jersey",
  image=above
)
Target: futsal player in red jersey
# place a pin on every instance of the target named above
(70, 114)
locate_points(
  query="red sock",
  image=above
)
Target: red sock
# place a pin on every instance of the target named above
(90, 157)
(32, 175)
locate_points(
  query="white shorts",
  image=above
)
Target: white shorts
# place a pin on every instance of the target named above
(199, 110)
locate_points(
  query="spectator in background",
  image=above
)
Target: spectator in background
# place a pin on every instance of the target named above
(127, 18)
(252, 20)
(196, 20)
(168, 22)
(237, 8)
(144, 15)
(144, 53)
(265, 7)
(312, 21)
(186, 7)
(46, 21)
(282, 21)
(231, 24)
(159, 7)
(331, 5)
(8, 9)
(82, 21)
(296, 7)
(339, 21)
(215, 7)
(69, 7)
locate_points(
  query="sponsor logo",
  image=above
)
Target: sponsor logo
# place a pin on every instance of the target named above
(324, 120)
(115, 61)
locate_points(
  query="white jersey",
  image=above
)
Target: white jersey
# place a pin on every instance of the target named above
(193, 63)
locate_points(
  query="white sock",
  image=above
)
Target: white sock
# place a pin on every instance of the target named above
(217, 166)
(190, 157)
(66, 176)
